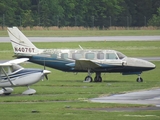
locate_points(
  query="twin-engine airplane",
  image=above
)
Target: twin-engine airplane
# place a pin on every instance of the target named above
(71, 60)
(13, 75)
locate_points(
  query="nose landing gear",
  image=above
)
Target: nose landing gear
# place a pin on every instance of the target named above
(139, 79)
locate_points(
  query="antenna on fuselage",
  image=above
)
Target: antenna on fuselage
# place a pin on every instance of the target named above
(80, 47)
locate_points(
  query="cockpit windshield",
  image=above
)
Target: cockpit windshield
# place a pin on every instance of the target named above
(120, 55)
(16, 67)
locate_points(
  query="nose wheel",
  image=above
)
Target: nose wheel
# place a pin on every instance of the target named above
(139, 79)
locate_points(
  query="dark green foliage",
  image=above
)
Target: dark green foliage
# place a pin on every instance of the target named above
(155, 20)
(87, 13)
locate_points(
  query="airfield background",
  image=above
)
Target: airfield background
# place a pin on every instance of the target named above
(87, 13)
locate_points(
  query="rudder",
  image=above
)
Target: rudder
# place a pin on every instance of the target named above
(20, 43)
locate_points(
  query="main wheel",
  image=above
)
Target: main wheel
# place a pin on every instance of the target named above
(98, 79)
(88, 79)
(6, 93)
(139, 79)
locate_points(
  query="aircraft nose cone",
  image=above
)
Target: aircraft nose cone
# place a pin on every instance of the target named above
(151, 65)
(46, 72)
(139, 63)
(146, 64)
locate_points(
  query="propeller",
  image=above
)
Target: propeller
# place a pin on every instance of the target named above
(45, 72)
(44, 64)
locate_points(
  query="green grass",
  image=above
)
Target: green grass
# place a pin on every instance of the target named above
(60, 111)
(65, 95)
(62, 33)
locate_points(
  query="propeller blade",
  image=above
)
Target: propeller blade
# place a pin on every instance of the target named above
(46, 77)
(44, 65)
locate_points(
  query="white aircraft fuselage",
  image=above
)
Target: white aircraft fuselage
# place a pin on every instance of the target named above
(13, 75)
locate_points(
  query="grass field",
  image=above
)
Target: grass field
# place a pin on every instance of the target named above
(65, 96)
(63, 33)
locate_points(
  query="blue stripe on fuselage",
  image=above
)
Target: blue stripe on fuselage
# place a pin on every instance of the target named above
(51, 62)
(21, 73)
(60, 64)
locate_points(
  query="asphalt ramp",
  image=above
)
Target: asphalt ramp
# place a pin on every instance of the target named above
(141, 97)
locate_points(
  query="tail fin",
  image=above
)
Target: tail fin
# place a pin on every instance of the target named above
(20, 43)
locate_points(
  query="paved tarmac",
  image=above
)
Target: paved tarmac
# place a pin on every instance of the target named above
(141, 97)
(83, 39)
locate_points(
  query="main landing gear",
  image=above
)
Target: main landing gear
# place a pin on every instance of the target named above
(97, 78)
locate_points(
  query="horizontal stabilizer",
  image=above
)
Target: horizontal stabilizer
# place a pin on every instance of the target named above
(86, 64)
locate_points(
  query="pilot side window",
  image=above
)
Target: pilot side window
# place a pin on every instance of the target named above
(76, 56)
(64, 55)
(89, 56)
(7, 70)
(111, 56)
(100, 56)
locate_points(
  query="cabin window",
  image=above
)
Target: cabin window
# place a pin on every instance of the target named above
(54, 55)
(7, 70)
(16, 67)
(76, 56)
(111, 56)
(100, 55)
(89, 56)
(64, 55)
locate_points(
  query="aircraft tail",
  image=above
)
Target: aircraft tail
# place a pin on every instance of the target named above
(20, 43)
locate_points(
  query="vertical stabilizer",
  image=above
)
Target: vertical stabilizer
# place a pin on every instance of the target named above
(20, 43)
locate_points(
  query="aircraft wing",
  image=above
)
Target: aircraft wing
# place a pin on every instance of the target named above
(16, 61)
(86, 64)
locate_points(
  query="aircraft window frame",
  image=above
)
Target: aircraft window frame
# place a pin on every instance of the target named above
(90, 56)
(110, 57)
(54, 55)
(100, 55)
(16, 67)
(64, 55)
(7, 69)
(76, 56)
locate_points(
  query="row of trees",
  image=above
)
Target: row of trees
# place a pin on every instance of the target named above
(87, 13)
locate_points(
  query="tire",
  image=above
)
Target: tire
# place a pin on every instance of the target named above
(88, 79)
(98, 79)
(139, 79)
(6, 93)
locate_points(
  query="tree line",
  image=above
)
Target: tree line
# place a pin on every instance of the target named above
(87, 13)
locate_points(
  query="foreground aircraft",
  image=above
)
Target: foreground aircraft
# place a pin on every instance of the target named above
(13, 75)
(71, 60)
